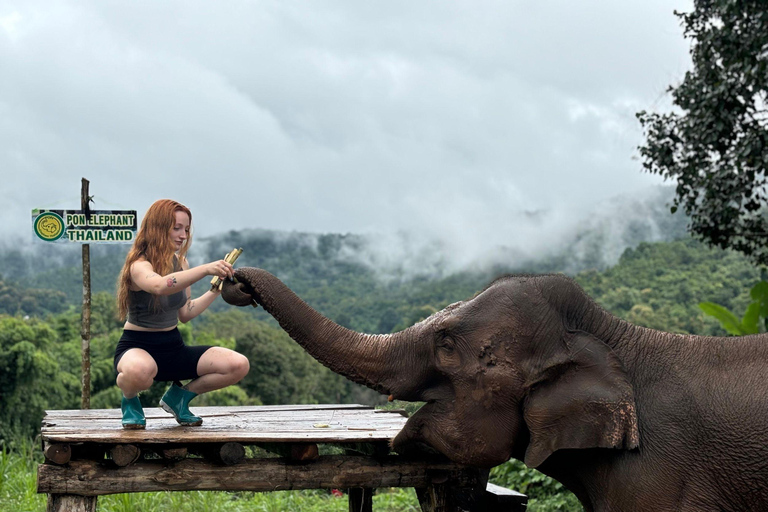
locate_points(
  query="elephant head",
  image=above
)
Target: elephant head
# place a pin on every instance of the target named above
(511, 372)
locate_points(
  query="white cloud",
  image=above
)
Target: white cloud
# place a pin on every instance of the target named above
(454, 118)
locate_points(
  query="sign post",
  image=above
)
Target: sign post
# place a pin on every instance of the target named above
(85, 226)
(85, 328)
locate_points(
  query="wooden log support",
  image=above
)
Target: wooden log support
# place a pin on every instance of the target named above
(299, 452)
(124, 454)
(70, 503)
(57, 453)
(228, 454)
(89, 478)
(360, 500)
(436, 498)
(173, 452)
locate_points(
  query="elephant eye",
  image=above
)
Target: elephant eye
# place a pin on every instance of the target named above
(445, 343)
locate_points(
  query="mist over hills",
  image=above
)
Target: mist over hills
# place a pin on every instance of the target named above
(543, 241)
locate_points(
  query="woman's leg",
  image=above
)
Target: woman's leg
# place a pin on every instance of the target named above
(135, 372)
(218, 368)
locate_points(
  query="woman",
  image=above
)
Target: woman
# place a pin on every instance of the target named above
(153, 292)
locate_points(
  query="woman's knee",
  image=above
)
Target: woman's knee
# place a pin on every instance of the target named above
(141, 373)
(240, 366)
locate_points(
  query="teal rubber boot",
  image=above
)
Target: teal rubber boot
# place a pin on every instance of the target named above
(176, 401)
(133, 414)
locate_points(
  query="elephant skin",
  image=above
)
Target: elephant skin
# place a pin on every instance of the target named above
(627, 418)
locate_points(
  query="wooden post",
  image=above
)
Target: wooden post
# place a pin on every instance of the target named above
(436, 498)
(85, 331)
(360, 500)
(70, 503)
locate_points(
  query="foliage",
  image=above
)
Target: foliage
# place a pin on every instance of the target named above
(715, 144)
(754, 319)
(660, 285)
(28, 362)
(15, 300)
(544, 493)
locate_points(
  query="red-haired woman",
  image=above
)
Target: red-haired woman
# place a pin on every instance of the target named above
(153, 292)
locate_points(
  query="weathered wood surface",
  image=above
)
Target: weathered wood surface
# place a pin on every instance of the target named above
(58, 453)
(68, 503)
(173, 452)
(90, 478)
(242, 424)
(124, 454)
(436, 498)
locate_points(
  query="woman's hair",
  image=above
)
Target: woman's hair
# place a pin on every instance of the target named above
(153, 242)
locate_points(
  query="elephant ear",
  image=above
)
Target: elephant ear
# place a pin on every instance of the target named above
(583, 399)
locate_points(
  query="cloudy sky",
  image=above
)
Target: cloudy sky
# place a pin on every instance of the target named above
(452, 118)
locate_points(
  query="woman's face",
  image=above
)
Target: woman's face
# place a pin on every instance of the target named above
(180, 230)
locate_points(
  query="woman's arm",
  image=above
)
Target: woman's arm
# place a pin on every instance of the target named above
(194, 307)
(145, 277)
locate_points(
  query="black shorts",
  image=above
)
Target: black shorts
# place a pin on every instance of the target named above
(174, 359)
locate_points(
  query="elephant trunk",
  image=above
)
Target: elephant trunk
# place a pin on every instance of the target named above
(381, 362)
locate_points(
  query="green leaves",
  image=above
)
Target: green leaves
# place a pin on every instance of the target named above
(728, 320)
(754, 318)
(715, 142)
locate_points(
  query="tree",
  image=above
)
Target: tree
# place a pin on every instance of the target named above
(715, 143)
(30, 380)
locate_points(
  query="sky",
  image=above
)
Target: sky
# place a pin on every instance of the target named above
(456, 120)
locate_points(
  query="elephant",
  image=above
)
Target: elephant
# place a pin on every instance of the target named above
(627, 418)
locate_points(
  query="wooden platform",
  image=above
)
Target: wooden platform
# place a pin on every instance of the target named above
(246, 425)
(89, 454)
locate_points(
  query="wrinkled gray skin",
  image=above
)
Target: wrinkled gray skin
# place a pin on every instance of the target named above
(628, 418)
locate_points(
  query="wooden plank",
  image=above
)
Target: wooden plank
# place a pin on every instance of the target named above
(235, 422)
(241, 424)
(89, 478)
(176, 434)
(235, 409)
(362, 419)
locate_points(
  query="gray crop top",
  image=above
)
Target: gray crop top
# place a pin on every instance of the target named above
(143, 311)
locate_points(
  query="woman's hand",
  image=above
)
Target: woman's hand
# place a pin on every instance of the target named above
(220, 268)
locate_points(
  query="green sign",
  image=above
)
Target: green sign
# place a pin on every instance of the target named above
(95, 226)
